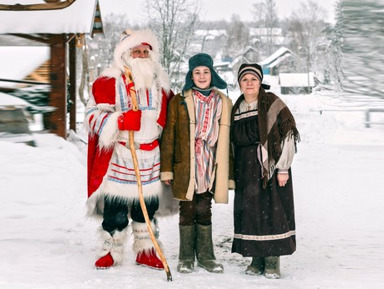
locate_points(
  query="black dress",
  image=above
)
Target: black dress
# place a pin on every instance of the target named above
(264, 219)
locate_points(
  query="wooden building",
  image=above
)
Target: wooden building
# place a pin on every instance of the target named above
(60, 25)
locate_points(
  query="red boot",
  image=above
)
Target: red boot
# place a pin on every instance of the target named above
(148, 258)
(104, 262)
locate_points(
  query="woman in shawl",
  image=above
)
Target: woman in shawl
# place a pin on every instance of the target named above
(264, 138)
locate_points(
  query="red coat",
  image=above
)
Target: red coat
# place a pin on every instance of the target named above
(104, 93)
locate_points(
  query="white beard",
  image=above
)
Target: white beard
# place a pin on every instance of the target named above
(143, 71)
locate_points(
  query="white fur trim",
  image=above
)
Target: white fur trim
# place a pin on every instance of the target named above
(163, 79)
(95, 203)
(113, 244)
(112, 72)
(106, 107)
(168, 205)
(164, 176)
(110, 131)
(142, 240)
(130, 192)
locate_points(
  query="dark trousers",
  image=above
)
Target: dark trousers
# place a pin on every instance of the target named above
(115, 215)
(197, 211)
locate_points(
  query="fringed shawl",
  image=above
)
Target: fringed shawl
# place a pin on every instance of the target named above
(276, 122)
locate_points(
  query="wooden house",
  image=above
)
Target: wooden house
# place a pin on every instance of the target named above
(272, 64)
(296, 83)
(61, 26)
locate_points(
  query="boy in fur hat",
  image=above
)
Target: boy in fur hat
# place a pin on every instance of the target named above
(195, 160)
(112, 186)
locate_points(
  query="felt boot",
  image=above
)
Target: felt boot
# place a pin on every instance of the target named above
(186, 249)
(272, 267)
(204, 250)
(256, 267)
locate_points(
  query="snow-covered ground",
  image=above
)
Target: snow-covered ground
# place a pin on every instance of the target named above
(46, 242)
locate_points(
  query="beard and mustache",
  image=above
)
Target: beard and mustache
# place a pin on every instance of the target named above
(143, 71)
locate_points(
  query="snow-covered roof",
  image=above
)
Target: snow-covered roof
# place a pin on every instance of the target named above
(265, 31)
(76, 18)
(19, 61)
(296, 79)
(213, 33)
(278, 60)
(279, 53)
(7, 101)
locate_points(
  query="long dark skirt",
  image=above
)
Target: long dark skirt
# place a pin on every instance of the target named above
(264, 219)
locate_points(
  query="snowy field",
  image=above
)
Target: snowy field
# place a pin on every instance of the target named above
(46, 242)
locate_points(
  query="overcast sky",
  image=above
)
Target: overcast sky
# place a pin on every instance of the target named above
(214, 9)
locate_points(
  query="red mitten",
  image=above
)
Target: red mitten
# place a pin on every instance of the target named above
(130, 120)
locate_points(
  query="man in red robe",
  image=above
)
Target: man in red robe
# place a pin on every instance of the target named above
(112, 186)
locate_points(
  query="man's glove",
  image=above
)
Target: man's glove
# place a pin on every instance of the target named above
(130, 120)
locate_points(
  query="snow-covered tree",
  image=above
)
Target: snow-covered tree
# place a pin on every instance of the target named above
(332, 56)
(174, 22)
(265, 16)
(238, 37)
(305, 33)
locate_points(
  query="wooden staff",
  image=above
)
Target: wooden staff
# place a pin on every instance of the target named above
(135, 107)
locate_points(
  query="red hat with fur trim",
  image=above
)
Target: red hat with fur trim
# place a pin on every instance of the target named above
(130, 39)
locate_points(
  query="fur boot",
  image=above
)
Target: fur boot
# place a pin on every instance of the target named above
(144, 248)
(112, 249)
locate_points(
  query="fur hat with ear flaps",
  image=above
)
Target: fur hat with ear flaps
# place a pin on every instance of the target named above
(130, 39)
(203, 59)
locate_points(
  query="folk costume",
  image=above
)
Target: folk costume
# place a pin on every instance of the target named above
(195, 156)
(264, 137)
(112, 185)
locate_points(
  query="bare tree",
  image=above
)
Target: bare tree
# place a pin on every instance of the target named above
(271, 21)
(174, 22)
(265, 15)
(306, 33)
(258, 11)
(84, 75)
(238, 36)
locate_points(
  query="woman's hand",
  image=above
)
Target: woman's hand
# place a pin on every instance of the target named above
(282, 179)
(167, 182)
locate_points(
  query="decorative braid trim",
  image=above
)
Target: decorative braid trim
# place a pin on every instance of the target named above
(265, 237)
(142, 240)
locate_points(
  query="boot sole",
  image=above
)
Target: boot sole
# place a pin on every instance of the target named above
(212, 271)
(154, 268)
